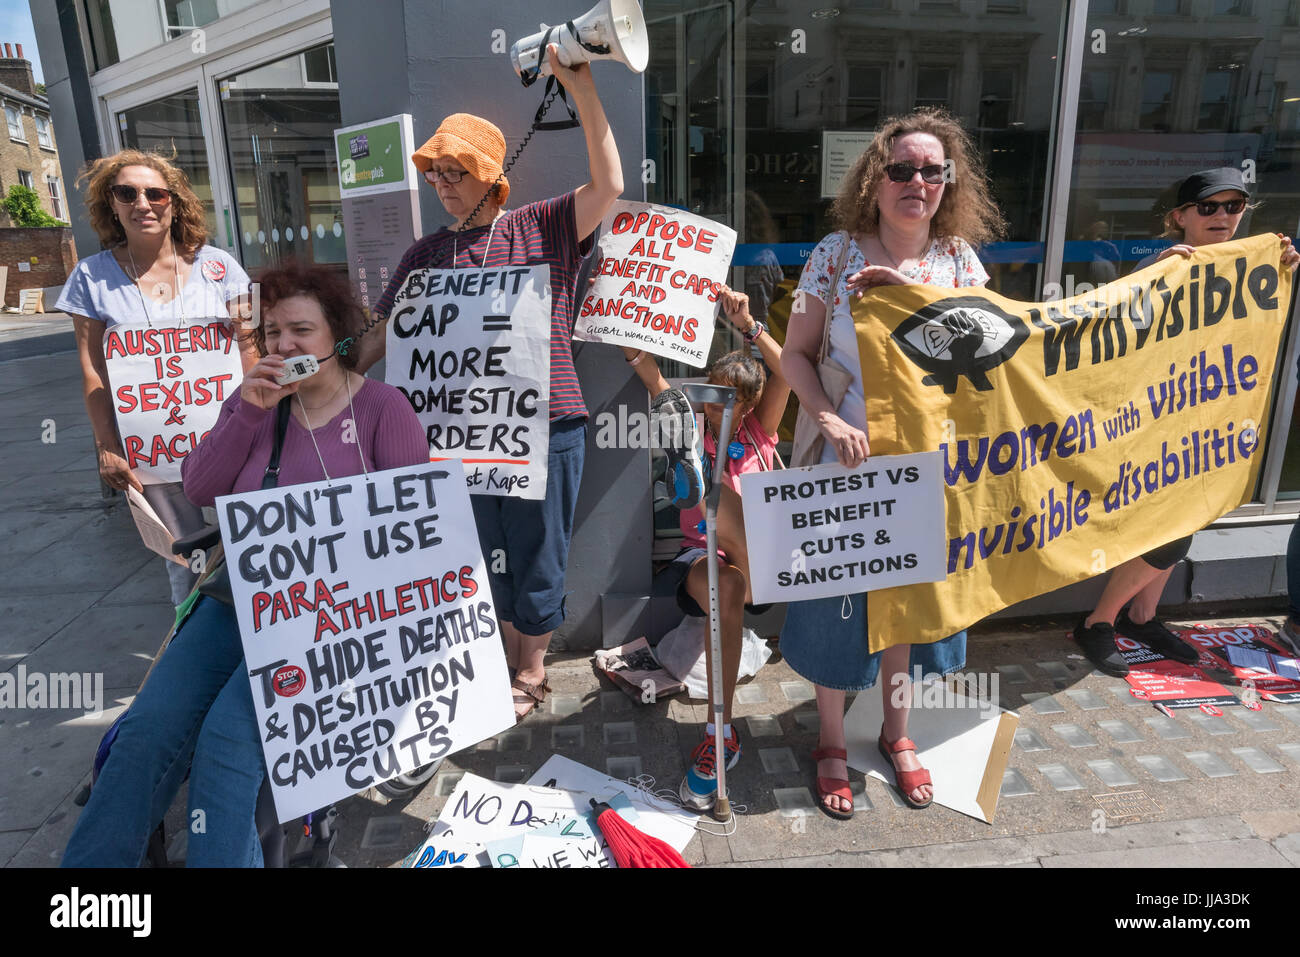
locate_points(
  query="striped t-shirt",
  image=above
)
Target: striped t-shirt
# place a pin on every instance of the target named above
(536, 234)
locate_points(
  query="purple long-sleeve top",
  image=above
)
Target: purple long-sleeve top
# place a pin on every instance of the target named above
(234, 455)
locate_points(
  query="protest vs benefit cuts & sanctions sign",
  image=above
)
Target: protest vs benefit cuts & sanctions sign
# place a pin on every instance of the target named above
(826, 530)
(470, 349)
(1075, 434)
(169, 379)
(368, 628)
(658, 282)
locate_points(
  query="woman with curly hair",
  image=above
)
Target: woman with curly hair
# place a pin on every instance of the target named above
(155, 268)
(908, 212)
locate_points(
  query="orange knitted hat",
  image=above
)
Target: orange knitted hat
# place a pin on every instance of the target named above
(473, 142)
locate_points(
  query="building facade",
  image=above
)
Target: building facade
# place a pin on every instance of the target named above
(1085, 112)
(29, 154)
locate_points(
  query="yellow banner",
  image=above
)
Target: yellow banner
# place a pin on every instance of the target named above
(1076, 434)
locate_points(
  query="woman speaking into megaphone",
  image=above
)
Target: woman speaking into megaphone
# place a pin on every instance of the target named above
(463, 162)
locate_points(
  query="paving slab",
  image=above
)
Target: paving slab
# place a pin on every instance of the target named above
(1219, 855)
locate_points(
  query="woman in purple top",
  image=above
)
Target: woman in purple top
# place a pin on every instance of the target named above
(196, 710)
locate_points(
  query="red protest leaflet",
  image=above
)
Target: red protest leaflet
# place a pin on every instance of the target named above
(1170, 684)
(1215, 644)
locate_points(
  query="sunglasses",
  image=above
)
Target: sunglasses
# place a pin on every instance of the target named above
(1208, 208)
(452, 176)
(903, 173)
(156, 195)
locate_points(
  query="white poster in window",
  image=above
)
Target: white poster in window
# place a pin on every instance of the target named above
(826, 530)
(840, 150)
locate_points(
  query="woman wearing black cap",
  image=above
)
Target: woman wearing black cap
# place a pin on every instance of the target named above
(1209, 209)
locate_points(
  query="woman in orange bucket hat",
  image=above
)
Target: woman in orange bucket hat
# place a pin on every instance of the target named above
(463, 162)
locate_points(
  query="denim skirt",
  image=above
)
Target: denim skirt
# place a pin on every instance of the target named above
(825, 641)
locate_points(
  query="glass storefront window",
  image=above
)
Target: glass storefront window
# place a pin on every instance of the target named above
(1179, 96)
(170, 126)
(747, 104)
(121, 29)
(858, 63)
(280, 120)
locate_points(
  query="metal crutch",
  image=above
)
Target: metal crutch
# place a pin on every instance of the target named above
(698, 393)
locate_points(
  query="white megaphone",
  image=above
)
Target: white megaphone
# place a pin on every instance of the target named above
(611, 30)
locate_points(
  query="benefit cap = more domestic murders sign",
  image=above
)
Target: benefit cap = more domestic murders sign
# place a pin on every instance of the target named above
(658, 283)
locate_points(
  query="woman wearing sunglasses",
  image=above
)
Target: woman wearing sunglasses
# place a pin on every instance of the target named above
(155, 270)
(1209, 208)
(908, 211)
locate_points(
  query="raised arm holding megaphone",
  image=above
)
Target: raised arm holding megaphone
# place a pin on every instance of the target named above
(544, 243)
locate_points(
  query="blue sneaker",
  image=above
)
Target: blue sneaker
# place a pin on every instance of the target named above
(673, 420)
(699, 789)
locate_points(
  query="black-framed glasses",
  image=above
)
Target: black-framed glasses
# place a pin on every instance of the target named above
(903, 173)
(452, 176)
(155, 195)
(1209, 207)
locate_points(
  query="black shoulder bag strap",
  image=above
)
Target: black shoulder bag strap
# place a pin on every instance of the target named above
(272, 476)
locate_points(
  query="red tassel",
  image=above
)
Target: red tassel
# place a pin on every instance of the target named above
(632, 847)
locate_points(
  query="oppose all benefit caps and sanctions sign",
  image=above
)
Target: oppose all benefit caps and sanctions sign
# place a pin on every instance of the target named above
(470, 350)
(1075, 434)
(368, 628)
(657, 287)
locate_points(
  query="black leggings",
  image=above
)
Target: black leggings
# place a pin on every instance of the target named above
(1167, 556)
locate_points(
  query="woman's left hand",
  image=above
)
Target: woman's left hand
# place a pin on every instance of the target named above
(871, 276)
(574, 78)
(1290, 258)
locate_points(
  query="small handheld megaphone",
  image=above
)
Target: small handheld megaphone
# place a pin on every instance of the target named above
(611, 30)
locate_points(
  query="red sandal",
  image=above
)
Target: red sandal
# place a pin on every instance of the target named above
(905, 781)
(833, 787)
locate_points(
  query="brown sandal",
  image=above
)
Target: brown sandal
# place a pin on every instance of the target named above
(533, 695)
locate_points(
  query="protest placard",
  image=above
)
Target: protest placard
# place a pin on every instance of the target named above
(575, 842)
(487, 811)
(1170, 684)
(368, 627)
(658, 283)
(1253, 656)
(654, 816)
(826, 530)
(440, 851)
(155, 534)
(471, 350)
(169, 379)
(1076, 434)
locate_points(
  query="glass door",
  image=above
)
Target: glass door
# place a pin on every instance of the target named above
(279, 119)
(172, 125)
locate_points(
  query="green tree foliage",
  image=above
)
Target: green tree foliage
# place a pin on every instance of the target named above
(24, 208)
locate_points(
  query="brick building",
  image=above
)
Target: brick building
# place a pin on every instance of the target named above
(28, 154)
